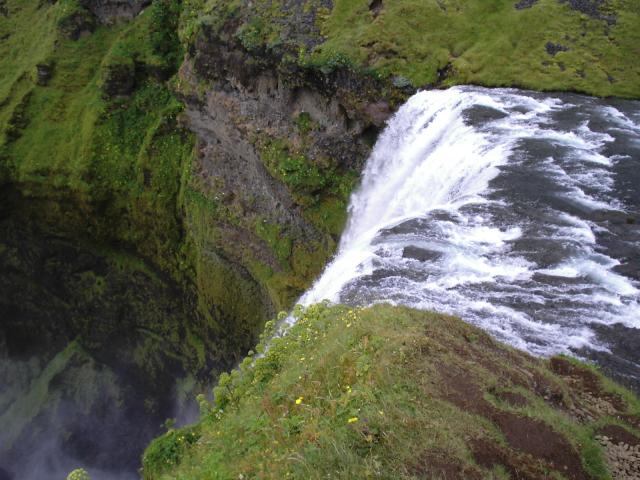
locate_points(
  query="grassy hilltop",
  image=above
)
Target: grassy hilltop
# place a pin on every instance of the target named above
(395, 393)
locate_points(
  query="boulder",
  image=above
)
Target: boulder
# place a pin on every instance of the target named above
(118, 80)
(44, 72)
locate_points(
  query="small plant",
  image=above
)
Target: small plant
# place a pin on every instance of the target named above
(166, 451)
(304, 123)
(79, 474)
(252, 34)
(294, 169)
(327, 62)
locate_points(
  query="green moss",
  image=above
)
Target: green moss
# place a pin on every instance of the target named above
(319, 186)
(117, 175)
(330, 214)
(277, 240)
(302, 176)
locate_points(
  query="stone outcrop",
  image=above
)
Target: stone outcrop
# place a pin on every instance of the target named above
(44, 72)
(113, 11)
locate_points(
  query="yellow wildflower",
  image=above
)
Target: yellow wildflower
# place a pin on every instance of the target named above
(299, 400)
(352, 420)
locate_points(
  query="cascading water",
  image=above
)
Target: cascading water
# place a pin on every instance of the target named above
(515, 210)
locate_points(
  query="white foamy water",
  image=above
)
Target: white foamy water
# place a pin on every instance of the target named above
(501, 207)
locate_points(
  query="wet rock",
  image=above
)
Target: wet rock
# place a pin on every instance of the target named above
(443, 73)
(481, 114)
(44, 72)
(591, 8)
(420, 254)
(623, 343)
(375, 7)
(522, 4)
(378, 113)
(254, 98)
(77, 24)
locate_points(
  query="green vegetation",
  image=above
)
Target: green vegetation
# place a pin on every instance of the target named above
(389, 392)
(93, 151)
(492, 43)
(97, 154)
(72, 140)
(78, 474)
(305, 179)
(547, 45)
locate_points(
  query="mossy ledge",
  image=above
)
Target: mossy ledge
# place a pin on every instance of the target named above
(390, 392)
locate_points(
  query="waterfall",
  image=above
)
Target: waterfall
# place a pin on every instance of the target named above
(503, 207)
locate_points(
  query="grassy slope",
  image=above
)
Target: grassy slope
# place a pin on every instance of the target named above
(72, 141)
(492, 43)
(485, 42)
(391, 392)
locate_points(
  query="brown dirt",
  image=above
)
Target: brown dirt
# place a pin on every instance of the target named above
(488, 454)
(507, 365)
(523, 434)
(472, 366)
(435, 465)
(549, 390)
(618, 434)
(633, 420)
(541, 441)
(513, 398)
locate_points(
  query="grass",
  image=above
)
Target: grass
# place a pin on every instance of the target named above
(491, 43)
(365, 393)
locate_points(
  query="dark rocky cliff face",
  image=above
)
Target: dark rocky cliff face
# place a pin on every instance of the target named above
(280, 148)
(113, 11)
